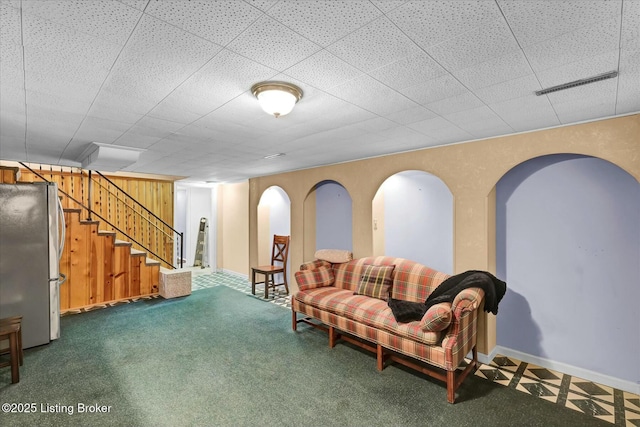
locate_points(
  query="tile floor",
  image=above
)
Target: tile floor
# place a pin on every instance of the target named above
(614, 406)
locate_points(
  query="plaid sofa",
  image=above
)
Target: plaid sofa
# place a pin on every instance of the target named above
(326, 299)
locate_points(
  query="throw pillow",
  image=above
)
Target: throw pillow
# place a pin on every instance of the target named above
(437, 318)
(376, 281)
(334, 256)
(317, 278)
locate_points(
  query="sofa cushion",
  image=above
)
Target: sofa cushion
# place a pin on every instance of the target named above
(329, 298)
(317, 278)
(364, 310)
(437, 318)
(376, 281)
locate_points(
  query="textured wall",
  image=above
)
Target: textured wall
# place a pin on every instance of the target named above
(470, 170)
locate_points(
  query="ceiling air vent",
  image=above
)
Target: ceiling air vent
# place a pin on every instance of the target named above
(605, 76)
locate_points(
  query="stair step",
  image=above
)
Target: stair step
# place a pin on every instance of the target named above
(136, 252)
(106, 233)
(151, 261)
(119, 242)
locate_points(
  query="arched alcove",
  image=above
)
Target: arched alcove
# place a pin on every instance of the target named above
(413, 219)
(328, 218)
(568, 245)
(274, 217)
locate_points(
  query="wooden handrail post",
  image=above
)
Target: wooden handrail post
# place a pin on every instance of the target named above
(89, 200)
(181, 249)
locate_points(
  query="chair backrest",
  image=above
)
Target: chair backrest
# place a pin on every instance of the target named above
(280, 249)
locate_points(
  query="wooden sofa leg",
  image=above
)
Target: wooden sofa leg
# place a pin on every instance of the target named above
(294, 321)
(380, 357)
(332, 337)
(451, 386)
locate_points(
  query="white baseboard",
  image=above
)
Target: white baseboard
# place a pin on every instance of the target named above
(586, 374)
(487, 358)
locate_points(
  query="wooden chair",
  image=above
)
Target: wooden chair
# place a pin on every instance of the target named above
(11, 330)
(279, 253)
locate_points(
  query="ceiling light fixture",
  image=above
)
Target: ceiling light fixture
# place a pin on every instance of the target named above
(276, 98)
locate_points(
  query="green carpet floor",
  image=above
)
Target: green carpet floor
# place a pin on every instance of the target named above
(221, 358)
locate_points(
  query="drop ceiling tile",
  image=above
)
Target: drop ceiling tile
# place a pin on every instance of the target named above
(439, 88)
(628, 95)
(263, 5)
(411, 115)
(572, 112)
(136, 4)
(272, 44)
(12, 100)
(136, 140)
(433, 22)
(103, 19)
(324, 22)
(479, 120)
(534, 21)
(129, 110)
(449, 134)
(216, 21)
(493, 40)
(10, 25)
(630, 37)
(101, 130)
(570, 47)
(388, 5)
(59, 55)
(157, 58)
(464, 101)
(377, 44)
(13, 147)
(410, 71)
(526, 113)
(323, 70)
(173, 112)
(74, 103)
(225, 77)
(12, 126)
(494, 71)
(516, 88)
(372, 95)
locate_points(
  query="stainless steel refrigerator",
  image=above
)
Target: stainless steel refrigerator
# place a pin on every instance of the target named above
(31, 240)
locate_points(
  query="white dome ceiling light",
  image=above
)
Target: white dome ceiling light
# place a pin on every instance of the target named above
(276, 98)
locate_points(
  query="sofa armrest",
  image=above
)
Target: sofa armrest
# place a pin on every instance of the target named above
(316, 278)
(312, 265)
(467, 300)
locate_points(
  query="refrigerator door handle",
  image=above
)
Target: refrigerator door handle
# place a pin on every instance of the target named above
(62, 229)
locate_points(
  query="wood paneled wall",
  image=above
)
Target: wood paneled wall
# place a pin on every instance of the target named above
(156, 195)
(100, 264)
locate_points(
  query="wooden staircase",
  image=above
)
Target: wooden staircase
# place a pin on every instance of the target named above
(100, 268)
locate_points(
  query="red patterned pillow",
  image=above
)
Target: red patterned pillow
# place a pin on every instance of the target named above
(316, 278)
(437, 318)
(376, 281)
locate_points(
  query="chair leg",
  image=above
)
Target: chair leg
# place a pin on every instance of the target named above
(15, 369)
(284, 275)
(253, 282)
(267, 279)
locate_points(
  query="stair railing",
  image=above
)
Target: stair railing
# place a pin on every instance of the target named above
(125, 215)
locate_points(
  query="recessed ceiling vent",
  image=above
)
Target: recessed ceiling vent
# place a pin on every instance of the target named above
(599, 77)
(108, 157)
